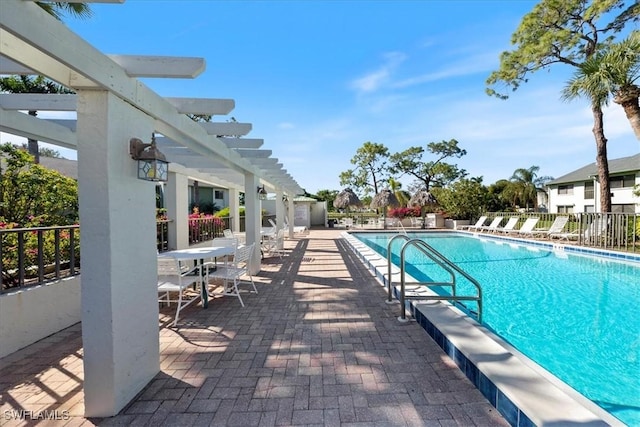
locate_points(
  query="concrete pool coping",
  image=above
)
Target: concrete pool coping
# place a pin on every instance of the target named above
(522, 391)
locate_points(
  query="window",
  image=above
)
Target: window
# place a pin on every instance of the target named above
(588, 190)
(565, 209)
(219, 195)
(589, 208)
(565, 189)
(624, 181)
(629, 208)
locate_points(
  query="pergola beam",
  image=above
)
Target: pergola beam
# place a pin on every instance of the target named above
(249, 143)
(227, 128)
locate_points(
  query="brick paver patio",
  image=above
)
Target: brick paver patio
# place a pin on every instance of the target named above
(317, 346)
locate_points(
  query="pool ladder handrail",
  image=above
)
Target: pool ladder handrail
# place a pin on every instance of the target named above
(440, 260)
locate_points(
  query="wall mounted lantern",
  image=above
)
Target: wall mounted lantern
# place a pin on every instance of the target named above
(152, 164)
(285, 198)
(262, 193)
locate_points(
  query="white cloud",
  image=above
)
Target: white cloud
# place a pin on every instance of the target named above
(372, 81)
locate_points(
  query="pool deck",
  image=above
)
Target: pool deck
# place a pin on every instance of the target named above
(317, 345)
(524, 393)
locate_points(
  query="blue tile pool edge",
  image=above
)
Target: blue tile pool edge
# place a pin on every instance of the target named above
(498, 397)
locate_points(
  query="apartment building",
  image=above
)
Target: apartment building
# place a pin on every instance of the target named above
(579, 191)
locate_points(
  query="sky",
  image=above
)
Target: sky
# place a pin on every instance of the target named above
(318, 79)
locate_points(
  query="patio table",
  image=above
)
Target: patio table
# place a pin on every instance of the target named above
(199, 255)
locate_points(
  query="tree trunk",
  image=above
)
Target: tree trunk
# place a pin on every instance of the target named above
(32, 144)
(629, 102)
(601, 158)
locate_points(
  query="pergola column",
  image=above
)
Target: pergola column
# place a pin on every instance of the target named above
(118, 251)
(291, 216)
(279, 209)
(252, 217)
(177, 204)
(234, 209)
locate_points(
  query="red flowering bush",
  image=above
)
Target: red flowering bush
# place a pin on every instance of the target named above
(204, 226)
(404, 212)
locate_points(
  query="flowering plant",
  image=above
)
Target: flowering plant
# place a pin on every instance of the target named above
(404, 212)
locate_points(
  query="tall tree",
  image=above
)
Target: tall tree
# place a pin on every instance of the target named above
(39, 84)
(428, 173)
(526, 185)
(611, 74)
(565, 32)
(370, 169)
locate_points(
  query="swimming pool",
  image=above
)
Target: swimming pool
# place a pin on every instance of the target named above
(576, 316)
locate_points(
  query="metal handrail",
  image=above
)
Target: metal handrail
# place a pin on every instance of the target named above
(452, 283)
(441, 261)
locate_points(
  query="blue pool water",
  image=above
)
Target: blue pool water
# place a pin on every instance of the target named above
(576, 316)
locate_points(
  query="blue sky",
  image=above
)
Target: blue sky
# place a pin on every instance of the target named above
(319, 78)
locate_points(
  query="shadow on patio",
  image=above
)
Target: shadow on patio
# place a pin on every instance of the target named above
(317, 346)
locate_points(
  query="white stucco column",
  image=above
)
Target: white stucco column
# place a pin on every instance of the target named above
(279, 209)
(291, 218)
(177, 204)
(234, 209)
(118, 250)
(253, 217)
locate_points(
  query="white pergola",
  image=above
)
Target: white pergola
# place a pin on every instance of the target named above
(117, 210)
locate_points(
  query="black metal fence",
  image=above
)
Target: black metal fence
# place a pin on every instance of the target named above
(32, 256)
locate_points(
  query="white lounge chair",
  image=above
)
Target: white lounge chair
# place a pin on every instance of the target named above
(527, 228)
(231, 272)
(509, 226)
(477, 225)
(296, 228)
(556, 227)
(595, 229)
(493, 226)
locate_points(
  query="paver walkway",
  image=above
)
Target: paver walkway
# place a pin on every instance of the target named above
(317, 346)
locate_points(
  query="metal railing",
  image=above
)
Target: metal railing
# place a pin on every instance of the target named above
(441, 261)
(612, 231)
(32, 256)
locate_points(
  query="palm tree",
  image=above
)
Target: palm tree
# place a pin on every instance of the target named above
(611, 74)
(526, 185)
(39, 84)
(59, 8)
(396, 187)
(586, 85)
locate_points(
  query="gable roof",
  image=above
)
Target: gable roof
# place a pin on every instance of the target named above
(586, 173)
(66, 167)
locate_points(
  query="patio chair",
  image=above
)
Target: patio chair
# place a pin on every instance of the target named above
(509, 226)
(233, 270)
(527, 228)
(478, 224)
(556, 227)
(174, 278)
(273, 244)
(493, 226)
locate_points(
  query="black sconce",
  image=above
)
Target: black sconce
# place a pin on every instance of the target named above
(262, 193)
(152, 164)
